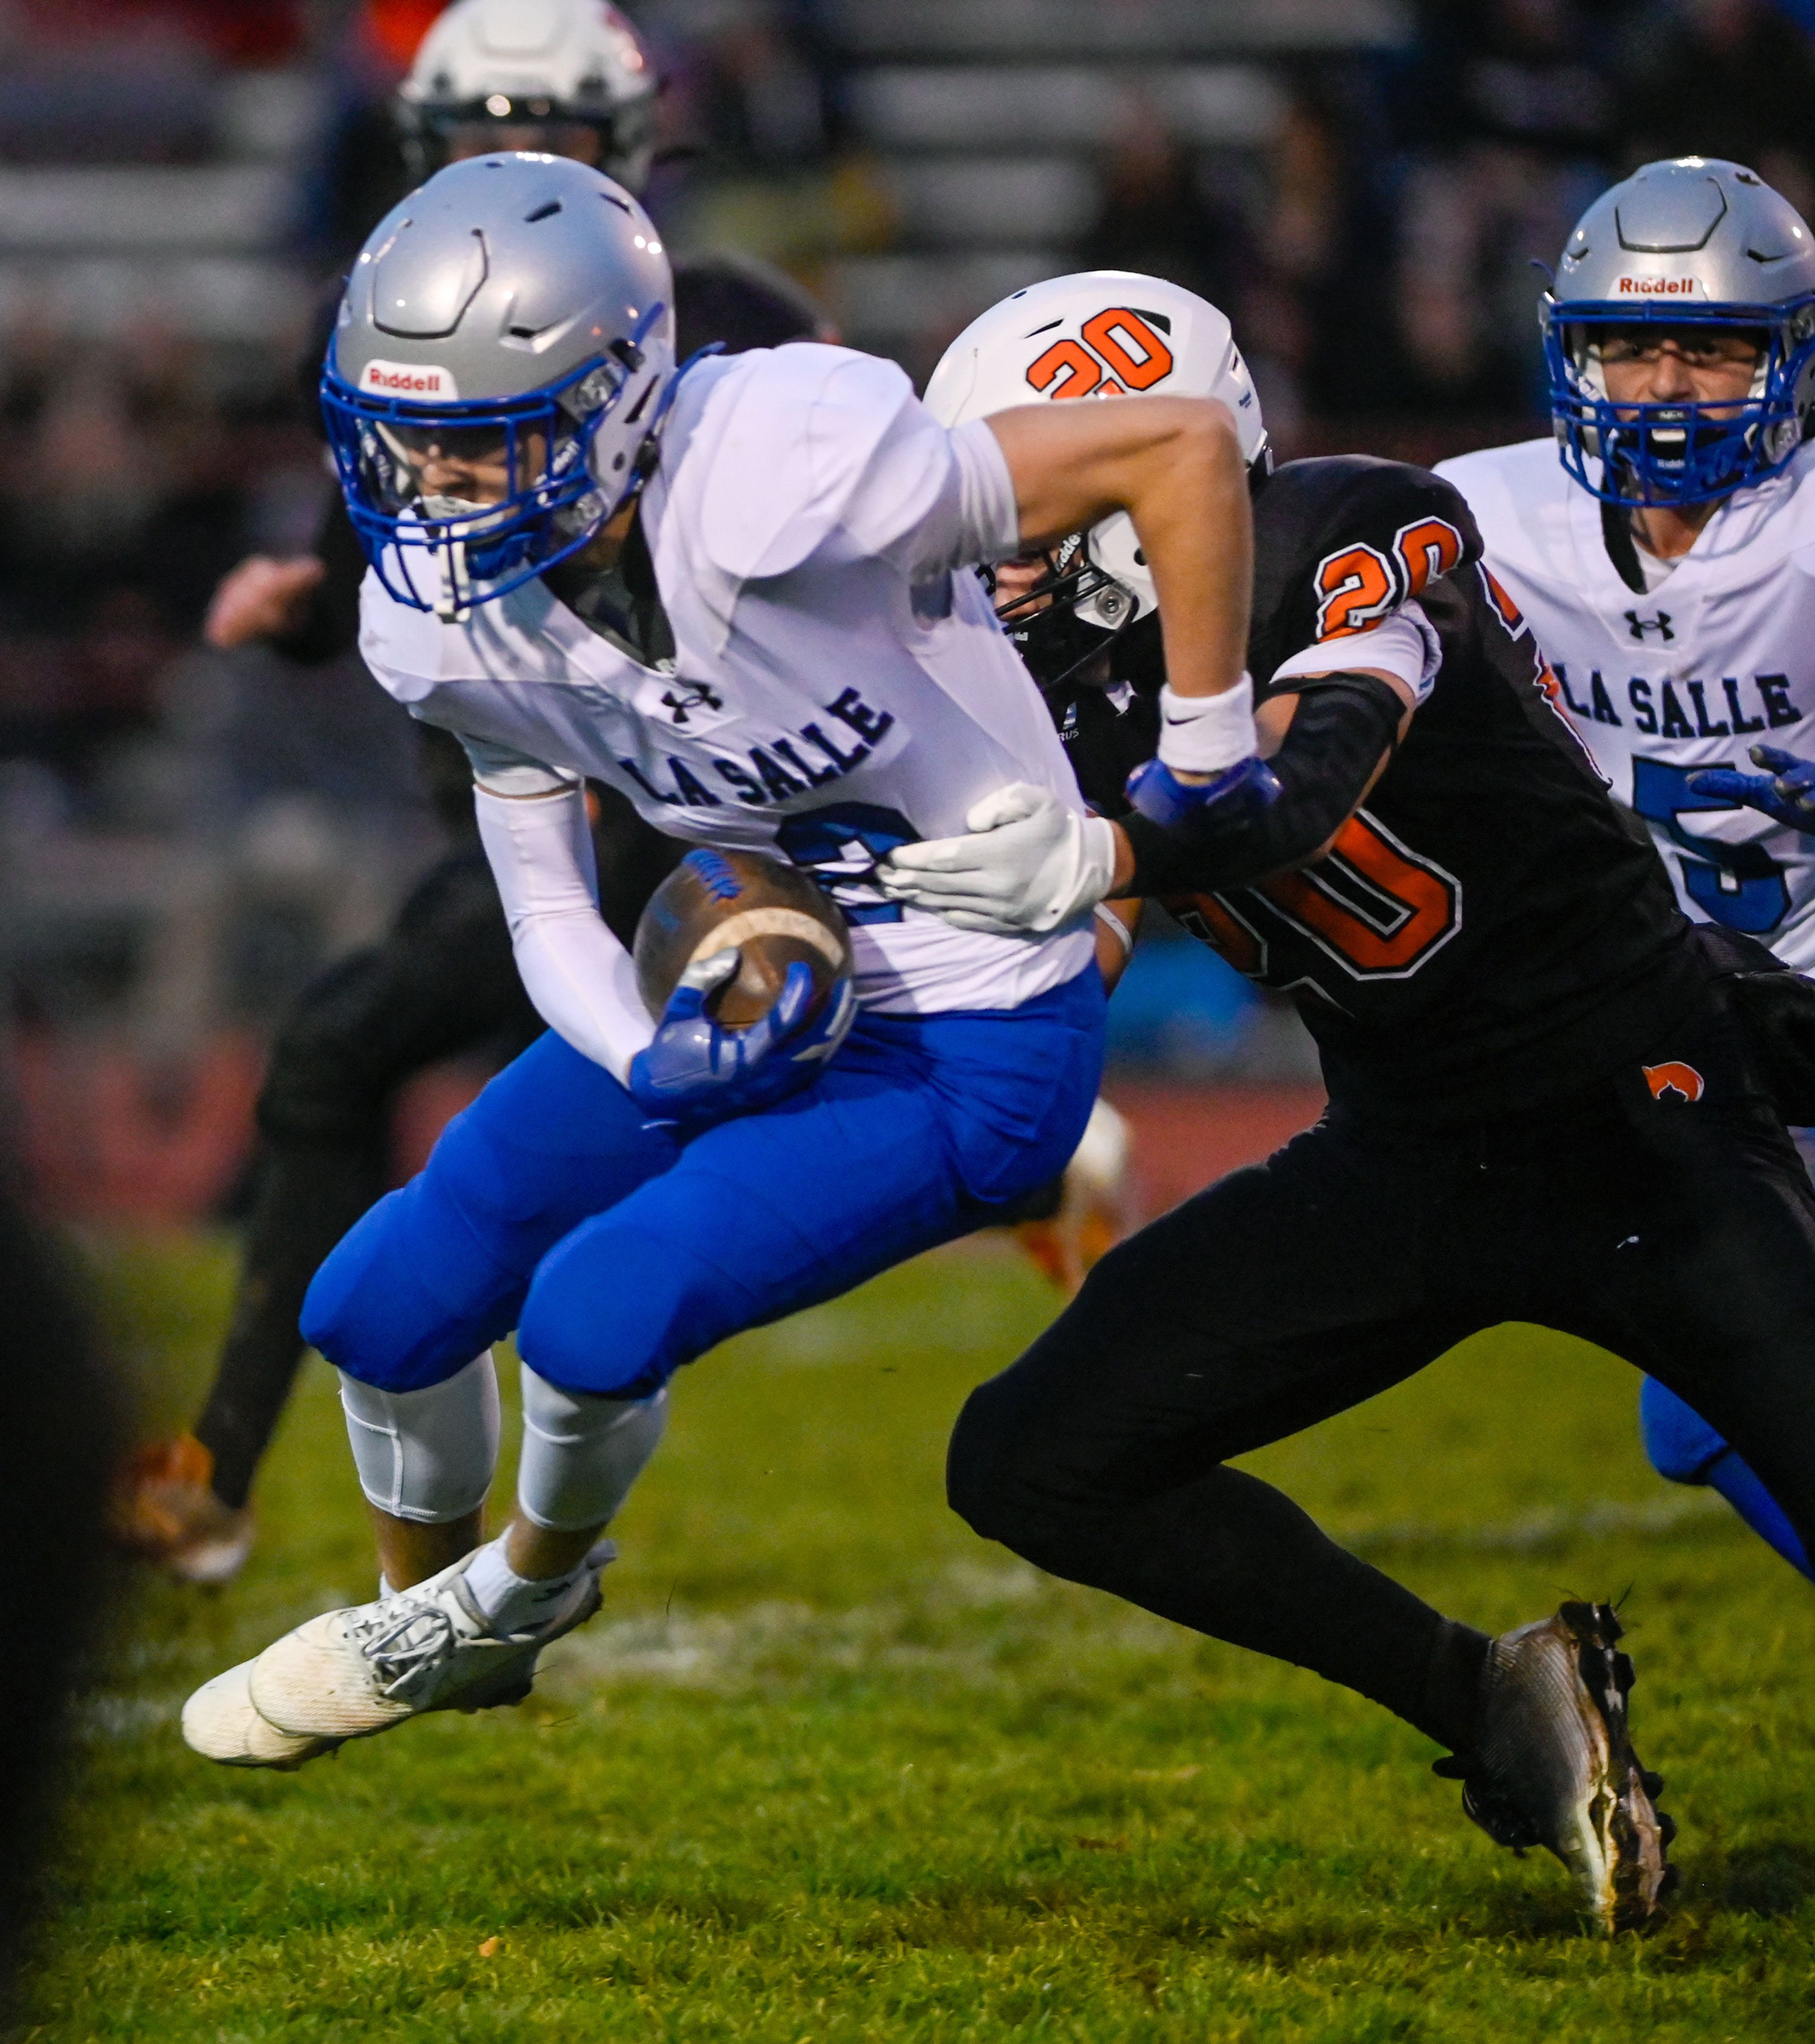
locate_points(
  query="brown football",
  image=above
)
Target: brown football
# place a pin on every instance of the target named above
(773, 913)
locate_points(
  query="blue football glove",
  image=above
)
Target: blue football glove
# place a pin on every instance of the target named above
(1246, 789)
(1785, 792)
(697, 1072)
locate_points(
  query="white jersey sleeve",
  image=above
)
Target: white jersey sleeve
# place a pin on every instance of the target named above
(854, 468)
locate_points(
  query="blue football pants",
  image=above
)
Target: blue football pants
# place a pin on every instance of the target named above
(618, 1254)
(1683, 1448)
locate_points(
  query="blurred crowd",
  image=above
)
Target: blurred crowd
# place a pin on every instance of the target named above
(182, 181)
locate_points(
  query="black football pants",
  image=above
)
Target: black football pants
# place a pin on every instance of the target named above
(1679, 1233)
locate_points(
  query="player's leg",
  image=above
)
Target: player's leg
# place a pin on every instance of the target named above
(1683, 1448)
(442, 980)
(920, 1130)
(1281, 1295)
(1067, 1226)
(1284, 1294)
(917, 1132)
(407, 1307)
(1695, 1260)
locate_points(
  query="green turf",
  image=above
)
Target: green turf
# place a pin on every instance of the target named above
(829, 1768)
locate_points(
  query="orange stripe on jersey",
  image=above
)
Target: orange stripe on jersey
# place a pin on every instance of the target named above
(1510, 614)
(1070, 359)
(1110, 331)
(1208, 918)
(1429, 550)
(1357, 588)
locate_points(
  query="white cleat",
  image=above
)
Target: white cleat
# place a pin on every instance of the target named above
(350, 1673)
(219, 1723)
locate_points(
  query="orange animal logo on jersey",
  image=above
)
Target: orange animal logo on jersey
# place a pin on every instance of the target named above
(1682, 1080)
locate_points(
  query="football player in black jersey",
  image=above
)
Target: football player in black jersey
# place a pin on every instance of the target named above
(1541, 1107)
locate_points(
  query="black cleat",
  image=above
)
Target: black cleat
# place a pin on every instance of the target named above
(1554, 1766)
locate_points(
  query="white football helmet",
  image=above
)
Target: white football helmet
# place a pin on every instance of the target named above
(1100, 333)
(513, 64)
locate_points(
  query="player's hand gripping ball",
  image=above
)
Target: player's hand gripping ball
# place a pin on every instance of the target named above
(746, 967)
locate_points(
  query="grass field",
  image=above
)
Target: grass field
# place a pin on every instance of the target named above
(828, 1768)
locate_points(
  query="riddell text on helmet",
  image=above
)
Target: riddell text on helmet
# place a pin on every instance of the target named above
(1656, 287)
(409, 379)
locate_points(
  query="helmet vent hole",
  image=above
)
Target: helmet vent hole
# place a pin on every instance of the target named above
(544, 212)
(1154, 319)
(636, 410)
(523, 333)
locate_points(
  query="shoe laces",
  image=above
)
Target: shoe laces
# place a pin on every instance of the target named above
(401, 1646)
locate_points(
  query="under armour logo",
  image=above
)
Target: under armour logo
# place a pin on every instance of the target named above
(692, 695)
(1660, 624)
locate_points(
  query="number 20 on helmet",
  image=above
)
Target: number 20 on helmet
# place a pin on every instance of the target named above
(1100, 333)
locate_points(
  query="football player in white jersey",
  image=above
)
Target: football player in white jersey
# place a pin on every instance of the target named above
(735, 593)
(1667, 565)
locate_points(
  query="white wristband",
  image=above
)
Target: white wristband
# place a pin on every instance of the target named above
(1205, 734)
(1107, 916)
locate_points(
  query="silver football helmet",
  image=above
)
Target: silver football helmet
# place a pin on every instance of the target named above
(515, 315)
(488, 70)
(1696, 242)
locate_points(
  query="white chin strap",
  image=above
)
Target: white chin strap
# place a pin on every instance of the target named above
(471, 520)
(455, 602)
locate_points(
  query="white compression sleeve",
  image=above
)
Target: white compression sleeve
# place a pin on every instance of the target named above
(576, 972)
(426, 1455)
(580, 1454)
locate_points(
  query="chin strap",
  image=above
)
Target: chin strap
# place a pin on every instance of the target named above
(454, 604)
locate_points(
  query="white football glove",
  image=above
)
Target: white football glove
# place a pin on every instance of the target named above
(1032, 864)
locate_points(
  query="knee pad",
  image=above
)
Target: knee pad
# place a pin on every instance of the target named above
(1679, 1443)
(426, 1456)
(581, 1453)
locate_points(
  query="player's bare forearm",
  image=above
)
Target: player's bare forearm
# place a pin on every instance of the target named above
(1175, 466)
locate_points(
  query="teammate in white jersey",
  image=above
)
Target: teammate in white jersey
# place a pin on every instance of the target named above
(1667, 564)
(730, 592)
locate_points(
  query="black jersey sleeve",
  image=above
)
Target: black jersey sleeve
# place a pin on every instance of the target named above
(1341, 543)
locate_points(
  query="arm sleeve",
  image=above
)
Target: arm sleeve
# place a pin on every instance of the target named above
(578, 976)
(1345, 724)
